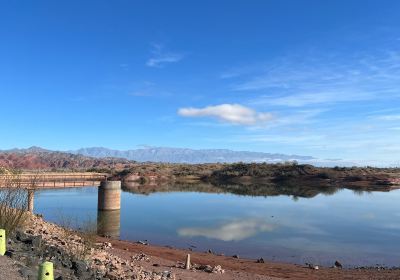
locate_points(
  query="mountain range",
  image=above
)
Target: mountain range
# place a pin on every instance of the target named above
(176, 155)
(170, 155)
(181, 155)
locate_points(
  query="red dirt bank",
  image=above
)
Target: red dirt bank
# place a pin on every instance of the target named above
(166, 259)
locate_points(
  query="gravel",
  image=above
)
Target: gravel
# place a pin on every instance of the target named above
(8, 269)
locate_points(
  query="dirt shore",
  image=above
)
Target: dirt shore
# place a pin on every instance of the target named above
(163, 258)
(115, 259)
(8, 269)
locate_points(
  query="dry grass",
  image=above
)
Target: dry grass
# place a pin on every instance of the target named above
(86, 230)
(13, 204)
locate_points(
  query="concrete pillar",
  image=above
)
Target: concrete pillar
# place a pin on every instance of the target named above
(109, 209)
(31, 197)
(109, 196)
(109, 223)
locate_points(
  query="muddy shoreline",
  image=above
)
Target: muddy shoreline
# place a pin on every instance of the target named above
(237, 268)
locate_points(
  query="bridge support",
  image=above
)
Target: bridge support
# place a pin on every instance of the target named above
(31, 197)
(109, 209)
(109, 195)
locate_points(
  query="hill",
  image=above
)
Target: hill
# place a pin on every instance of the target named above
(38, 158)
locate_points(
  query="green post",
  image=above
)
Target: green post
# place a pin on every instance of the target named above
(3, 242)
(46, 271)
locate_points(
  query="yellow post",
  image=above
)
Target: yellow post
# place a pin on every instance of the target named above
(3, 242)
(46, 271)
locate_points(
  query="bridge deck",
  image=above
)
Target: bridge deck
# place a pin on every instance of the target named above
(51, 180)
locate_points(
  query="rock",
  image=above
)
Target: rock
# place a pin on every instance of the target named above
(35, 241)
(218, 269)
(27, 272)
(80, 269)
(47, 242)
(338, 265)
(9, 253)
(140, 257)
(311, 266)
(206, 268)
(107, 245)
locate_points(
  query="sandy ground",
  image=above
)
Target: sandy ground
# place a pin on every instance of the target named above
(8, 271)
(163, 259)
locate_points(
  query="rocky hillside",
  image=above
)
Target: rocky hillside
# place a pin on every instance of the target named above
(37, 158)
(294, 174)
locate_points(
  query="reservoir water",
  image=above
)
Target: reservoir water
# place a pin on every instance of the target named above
(355, 227)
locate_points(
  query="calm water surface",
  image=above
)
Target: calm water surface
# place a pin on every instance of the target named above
(357, 228)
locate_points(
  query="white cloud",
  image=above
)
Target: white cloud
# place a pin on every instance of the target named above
(234, 231)
(231, 113)
(160, 58)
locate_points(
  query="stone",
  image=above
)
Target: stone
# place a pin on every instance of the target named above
(206, 268)
(10, 254)
(47, 242)
(338, 265)
(218, 269)
(26, 272)
(80, 268)
(140, 257)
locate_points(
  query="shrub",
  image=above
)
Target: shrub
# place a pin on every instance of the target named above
(13, 204)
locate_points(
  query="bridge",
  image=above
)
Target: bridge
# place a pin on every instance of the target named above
(109, 193)
(52, 179)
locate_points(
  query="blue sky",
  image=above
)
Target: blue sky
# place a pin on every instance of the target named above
(318, 78)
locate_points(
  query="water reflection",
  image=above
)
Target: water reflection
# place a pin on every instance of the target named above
(232, 231)
(109, 223)
(251, 221)
(295, 191)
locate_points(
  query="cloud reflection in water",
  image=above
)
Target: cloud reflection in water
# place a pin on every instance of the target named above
(233, 231)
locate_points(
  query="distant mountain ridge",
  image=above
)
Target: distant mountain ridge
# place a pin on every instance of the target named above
(176, 155)
(182, 155)
(38, 158)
